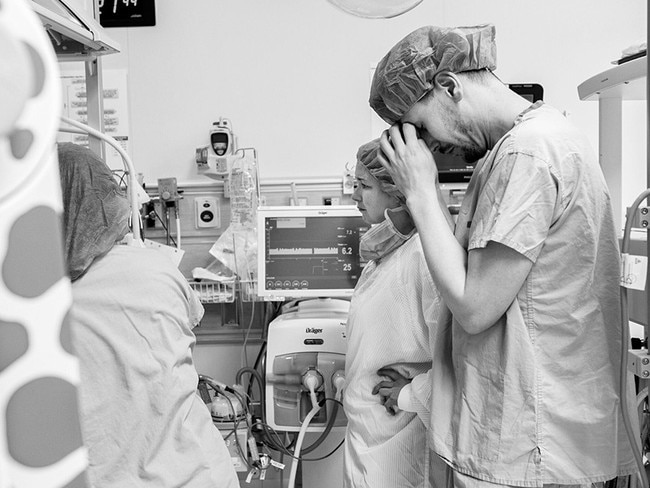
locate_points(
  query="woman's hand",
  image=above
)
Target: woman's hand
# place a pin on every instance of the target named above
(409, 160)
(388, 390)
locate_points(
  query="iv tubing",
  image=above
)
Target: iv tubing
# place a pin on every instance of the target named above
(133, 195)
(625, 344)
(178, 229)
(296, 451)
(311, 382)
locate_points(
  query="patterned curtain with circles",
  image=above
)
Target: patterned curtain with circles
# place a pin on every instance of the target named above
(40, 438)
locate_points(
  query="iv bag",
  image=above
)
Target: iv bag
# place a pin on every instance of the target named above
(375, 9)
(243, 192)
(237, 246)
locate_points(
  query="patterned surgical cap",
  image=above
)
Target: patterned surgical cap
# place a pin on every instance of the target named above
(406, 73)
(95, 209)
(368, 155)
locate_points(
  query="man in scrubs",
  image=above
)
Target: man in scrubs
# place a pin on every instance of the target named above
(131, 327)
(530, 273)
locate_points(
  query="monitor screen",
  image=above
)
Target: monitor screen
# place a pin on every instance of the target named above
(530, 91)
(452, 168)
(308, 251)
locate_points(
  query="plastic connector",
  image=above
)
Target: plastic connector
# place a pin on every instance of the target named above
(218, 385)
(254, 453)
(240, 389)
(638, 362)
(338, 383)
(312, 380)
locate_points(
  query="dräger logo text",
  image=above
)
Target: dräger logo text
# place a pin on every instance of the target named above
(313, 330)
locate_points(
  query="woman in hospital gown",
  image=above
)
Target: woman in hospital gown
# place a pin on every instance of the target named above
(396, 318)
(132, 315)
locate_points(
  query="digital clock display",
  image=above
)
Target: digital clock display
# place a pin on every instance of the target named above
(127, 13)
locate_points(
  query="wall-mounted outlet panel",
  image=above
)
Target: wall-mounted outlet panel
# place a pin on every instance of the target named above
(207, 212)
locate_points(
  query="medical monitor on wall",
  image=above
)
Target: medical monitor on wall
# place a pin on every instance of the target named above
(308, 251)
(530, 91)
(452, 168)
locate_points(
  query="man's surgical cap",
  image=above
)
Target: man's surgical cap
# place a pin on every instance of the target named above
(407, 71)
(95, 210)
(368, 156)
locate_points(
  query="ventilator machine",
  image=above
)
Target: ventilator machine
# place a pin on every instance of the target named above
(305, 363)
(309, 256)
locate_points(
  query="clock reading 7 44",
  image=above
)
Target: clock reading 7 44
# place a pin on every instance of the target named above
(126, 3)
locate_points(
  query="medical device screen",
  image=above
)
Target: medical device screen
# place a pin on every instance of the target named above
(452, 168)
(530, 91)
(309, 251)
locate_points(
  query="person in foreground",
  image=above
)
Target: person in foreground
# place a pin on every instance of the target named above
(130, 324)
(397, 317)
(530, 276)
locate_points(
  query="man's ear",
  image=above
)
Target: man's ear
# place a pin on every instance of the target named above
(450, 84)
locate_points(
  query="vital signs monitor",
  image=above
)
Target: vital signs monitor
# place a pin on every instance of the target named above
(308, 251)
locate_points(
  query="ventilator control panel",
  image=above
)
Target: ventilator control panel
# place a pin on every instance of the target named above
(311, 255)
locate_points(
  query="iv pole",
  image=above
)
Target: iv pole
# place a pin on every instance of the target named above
(647, 101)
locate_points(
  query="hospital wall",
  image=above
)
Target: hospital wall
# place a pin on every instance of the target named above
(293, 77)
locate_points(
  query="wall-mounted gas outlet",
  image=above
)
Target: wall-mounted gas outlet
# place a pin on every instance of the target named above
(348, 183)
(167, 189)
(207, 212)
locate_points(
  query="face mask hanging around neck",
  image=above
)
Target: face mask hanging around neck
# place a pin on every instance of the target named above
(382, 238)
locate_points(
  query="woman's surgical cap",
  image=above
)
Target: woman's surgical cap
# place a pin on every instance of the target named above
(407, 71)
(95, 210)
(368, 156)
